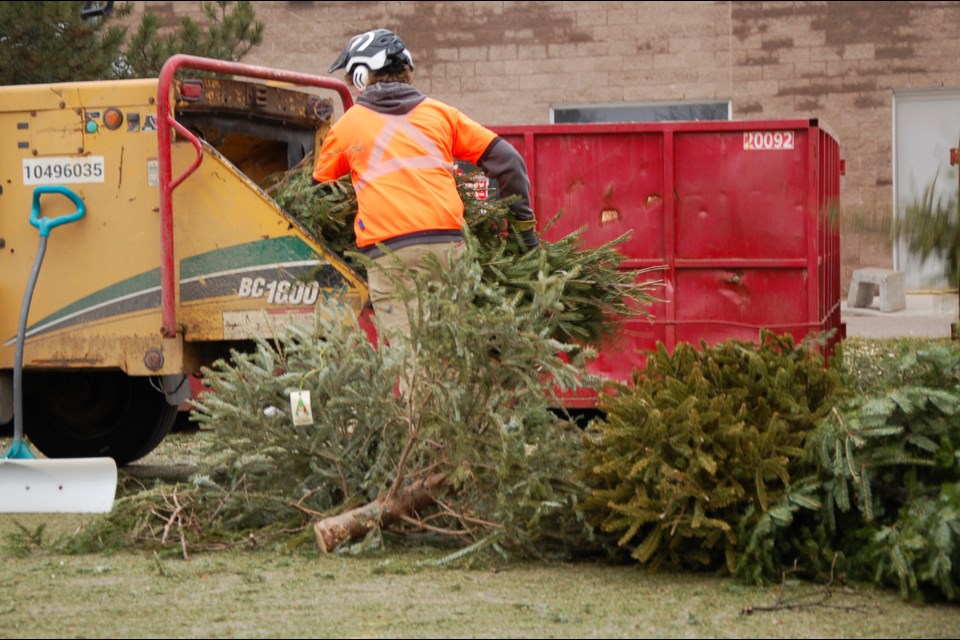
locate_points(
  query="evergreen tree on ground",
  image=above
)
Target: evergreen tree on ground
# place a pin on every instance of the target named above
(707, 439)
(757, 461)
(479, 369)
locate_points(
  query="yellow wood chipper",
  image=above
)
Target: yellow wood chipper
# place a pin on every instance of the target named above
(179, 256)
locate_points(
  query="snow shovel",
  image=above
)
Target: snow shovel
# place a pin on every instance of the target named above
(28, 484)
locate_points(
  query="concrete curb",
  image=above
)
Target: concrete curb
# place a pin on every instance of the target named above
(927, 315)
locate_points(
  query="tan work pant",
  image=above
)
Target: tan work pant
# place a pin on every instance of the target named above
(393, 272)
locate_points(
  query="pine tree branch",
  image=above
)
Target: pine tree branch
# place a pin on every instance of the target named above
(817, 598)
(419, 523)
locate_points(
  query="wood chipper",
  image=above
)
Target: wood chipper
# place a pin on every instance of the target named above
(180, 256)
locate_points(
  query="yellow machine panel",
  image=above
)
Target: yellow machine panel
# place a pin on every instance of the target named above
(242, 266)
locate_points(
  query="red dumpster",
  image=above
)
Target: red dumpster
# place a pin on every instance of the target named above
(743, 215)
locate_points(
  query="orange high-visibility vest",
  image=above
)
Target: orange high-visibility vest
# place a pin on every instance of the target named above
(402, 167)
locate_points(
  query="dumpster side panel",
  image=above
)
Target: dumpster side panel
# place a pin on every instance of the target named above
(739, 204)
(601, 185)
(827, 186)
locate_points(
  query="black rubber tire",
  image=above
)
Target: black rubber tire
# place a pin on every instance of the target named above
(94, 414)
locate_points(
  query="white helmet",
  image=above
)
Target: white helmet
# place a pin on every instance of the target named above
(371, 51)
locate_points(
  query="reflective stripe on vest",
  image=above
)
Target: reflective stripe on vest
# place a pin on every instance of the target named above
(377, 167)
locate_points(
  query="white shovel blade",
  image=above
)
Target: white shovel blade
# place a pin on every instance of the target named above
(76, 485)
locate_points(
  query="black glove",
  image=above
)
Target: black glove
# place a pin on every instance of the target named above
(528, 232)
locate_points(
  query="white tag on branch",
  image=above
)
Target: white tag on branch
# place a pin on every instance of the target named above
(300, 408)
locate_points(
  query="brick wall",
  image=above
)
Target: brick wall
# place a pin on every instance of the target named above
(509, 62)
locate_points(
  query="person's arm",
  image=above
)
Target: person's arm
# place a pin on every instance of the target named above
(503, 163)
(331, 163)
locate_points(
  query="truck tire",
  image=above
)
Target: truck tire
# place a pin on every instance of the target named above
(94, 414)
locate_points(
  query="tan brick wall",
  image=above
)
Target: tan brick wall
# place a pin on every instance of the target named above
(509, 62)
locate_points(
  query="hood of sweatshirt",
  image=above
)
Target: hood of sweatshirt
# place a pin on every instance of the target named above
(393, 98)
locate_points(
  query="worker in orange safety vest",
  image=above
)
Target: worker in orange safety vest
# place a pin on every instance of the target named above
(399, 147)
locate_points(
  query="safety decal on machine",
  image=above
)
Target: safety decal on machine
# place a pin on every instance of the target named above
(767, 140)
(153, 172)
(261, 323)
(63, 170)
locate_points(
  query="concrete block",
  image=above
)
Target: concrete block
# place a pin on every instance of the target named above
(888, 284)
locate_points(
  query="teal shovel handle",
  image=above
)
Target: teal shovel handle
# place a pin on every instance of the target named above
(46, 224)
